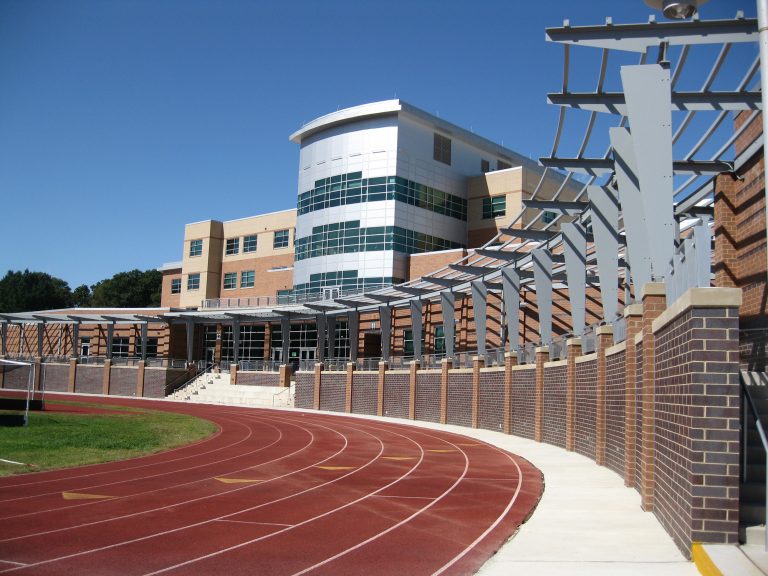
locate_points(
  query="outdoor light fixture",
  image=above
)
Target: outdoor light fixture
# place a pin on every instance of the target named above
(676, 9)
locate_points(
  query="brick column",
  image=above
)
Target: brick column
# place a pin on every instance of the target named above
(217, 346)
(697, 414)
(445, 364)
(72, 376)
(38, 373)
(542, 356)
(267, 341)
(284, 375)
(726, 232)
(510, 360)
(380, 388)
(574, 350)
(140, 379)
(604, 336)
(106, 377)
(654, 302)
(233, 373)
(348, 391)
(318, 383)
(412, 376)
(478, 362)
(633, 315)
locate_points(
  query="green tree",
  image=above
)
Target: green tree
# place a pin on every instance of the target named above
(133, 289)
(81, 296)
(30, 291)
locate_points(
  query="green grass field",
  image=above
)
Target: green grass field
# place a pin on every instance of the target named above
(58, 440)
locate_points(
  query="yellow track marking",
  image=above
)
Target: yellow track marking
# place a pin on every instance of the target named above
(474, 444)
(237, 480)
(81, 496)
(398, 458)
(336, 467)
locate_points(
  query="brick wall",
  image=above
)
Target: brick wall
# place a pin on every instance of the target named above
(491, 400)
(89, 379)
(697, 426)
(555, 388)
(428, 396)
(15, 378)
(305, 390)
(396, 395)
(122, 381)
(585, 433)
(460, 397)
(523, 401)
(155, 380)
(639, 414)
(55, 377)
(258, 378)
(615, 411)
(364, 389)
(333, 386)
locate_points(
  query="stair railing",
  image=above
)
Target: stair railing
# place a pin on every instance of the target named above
(749, 406)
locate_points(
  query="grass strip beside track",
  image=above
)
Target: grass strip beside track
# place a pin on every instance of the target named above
(59, 440)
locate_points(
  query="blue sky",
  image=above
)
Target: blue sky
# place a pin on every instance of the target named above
(120, 121)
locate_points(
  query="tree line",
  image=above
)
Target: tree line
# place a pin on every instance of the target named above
(31, 291)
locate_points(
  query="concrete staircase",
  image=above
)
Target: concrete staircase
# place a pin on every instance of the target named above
(209, 388)
(752, 489)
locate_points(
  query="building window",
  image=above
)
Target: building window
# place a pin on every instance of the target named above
(230, 280)
(176, 286)
(233, 246)
(195, 248)
(120, 346)
(442, 149)
(407, 342)
(85, 346)
(439, 340)
(281, 239)
(249, 244)
(151, 347)
(548, 217)
(501, 165)
(193, 282)
(494, 207)
(485, 166)
(247, 278)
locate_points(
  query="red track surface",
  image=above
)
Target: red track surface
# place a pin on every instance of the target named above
(273, 493)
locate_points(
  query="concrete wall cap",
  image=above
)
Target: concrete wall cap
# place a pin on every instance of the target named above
(698, 298)
(638, 337)
(573, 342)
(555, 364)
(653, 289)
(617, 348)
(586, 358)
(446, 361)
(542, 350)
(607, 329)
(633, 310)
(524, 367)
(510, 354)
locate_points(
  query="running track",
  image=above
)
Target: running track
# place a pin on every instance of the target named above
(273, 492)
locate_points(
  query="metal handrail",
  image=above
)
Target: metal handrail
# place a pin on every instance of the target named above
(749, 406)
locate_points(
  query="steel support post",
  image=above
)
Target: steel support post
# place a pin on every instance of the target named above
(604, 206)
(575, 241)
(479, 311)
(285, 329)
(542, 276)
(510, 284)
(320, 324)
(354, 334)
(385, 316)
(417, 328)
(448, 306)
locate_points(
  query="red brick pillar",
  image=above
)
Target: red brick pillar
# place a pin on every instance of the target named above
(284, 375)
(445, 364)
(654, 303)
(604, 336)
(542, 356)
(510, 360)
(574, 350)
(380, 388)
(348, 390)
(106, 377)
(478, 362)
(72, 376)
(140, 379)
(318, 384)
(726, 253)
(267, 341)
(633, 315)
(412, 376)
(233, 373)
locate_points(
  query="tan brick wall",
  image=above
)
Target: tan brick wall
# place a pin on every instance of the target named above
(168, 300)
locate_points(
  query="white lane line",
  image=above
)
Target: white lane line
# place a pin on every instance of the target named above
(412, 497)
(112, 519)
(254, 522)
(210, 520)
(492, 526)
(12, 462)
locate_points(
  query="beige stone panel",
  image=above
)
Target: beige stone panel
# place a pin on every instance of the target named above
(264, 227)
